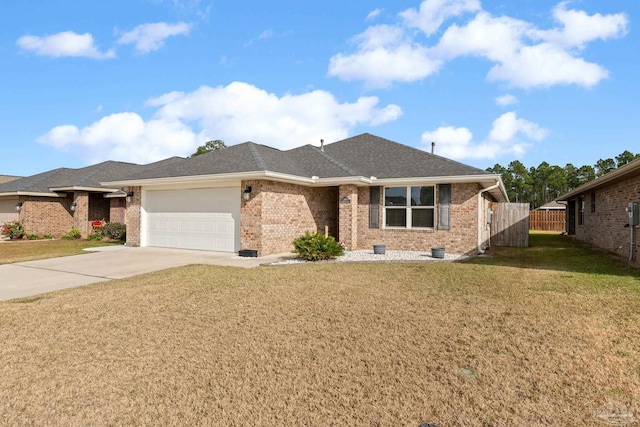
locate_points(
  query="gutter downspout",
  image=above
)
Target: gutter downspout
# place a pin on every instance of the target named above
(480, 193)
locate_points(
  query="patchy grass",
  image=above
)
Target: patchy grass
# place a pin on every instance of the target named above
(523, 338)
(30, 250)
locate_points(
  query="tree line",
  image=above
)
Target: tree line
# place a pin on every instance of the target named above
(545, 183)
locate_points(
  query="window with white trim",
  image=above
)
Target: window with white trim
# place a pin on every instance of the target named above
(409, 207)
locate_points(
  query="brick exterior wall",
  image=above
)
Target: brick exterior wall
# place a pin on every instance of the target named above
(605, 227)
(460, 239)
(81, 214)
(46, 215)
(348, 215)
(117, 210)
(277, 213)
(133, 217)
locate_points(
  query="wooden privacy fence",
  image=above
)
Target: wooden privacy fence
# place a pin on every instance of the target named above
(510, 224)
(547, 220)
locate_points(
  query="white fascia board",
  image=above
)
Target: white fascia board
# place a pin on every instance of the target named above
(33, 193)
(219, 177)
(95, 189)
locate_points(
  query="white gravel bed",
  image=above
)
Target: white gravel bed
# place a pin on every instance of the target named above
(369, 256)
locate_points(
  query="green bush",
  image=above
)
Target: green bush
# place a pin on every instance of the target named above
(47, 237)
(97, 236)
(72, 234)
(32, 237)
(316, 247)
(13, 230)
(115, 231)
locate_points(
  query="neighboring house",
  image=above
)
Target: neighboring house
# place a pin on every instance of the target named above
(7, 209)
(363, 190)
(552, 206)
(53, 202)
(596, 211)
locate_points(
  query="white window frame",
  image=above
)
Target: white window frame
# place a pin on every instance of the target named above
(408, 208)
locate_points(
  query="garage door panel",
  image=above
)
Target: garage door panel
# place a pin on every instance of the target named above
(212, 224)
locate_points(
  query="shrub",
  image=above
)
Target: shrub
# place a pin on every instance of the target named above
(315, 247)
(13, 230)
(95, 236)
(72, 234)
(47, 237)
(32, 237)
(115, 231)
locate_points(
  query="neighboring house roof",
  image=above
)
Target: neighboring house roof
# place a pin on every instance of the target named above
(56, 181)
(627, 171)
(7, 178)
(552, 206)
(363, 159)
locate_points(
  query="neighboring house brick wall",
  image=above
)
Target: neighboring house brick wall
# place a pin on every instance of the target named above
(46, 215)
(460, 239)
(605, 227)
(277, 213)
(133, 218)
(99, 207)
(81, 214)
(117, 210)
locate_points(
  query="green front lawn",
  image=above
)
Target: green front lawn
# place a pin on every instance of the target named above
(543, 336)
(29, 250)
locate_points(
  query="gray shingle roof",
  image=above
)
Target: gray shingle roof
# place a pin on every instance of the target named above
(90, 176)
(363, 155)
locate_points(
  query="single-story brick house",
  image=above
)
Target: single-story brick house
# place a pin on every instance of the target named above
(363, 190)
(53, 202)
(7, 212)
(597, 211)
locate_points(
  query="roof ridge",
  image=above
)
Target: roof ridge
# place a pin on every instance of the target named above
(256, 156)
(334, 161)
(419, 150)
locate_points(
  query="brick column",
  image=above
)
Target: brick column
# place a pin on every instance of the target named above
(132, 217)
(348, 215)
(81, 214)
(251, 218)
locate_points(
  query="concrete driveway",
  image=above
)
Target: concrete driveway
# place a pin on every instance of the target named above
(30, 278)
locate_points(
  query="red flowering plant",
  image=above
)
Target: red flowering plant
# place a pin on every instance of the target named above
(13, 230)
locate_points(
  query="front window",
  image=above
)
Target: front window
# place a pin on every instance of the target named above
(418, 213)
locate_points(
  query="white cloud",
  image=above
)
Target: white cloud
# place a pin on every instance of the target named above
(546, 65)
(579, 28)
(383, 56)
(433, 13)
(506, 100)
(374, 14)
(150, 37)
(508, 126)
(522, 54)
(266, 34)
(64, 44)
(509, 135)
(234, 113)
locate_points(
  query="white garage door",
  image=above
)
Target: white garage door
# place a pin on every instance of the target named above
(8, 211)
(206, 219)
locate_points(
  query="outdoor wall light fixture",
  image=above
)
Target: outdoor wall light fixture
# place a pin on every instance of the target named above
(247, 192)
(129, 196)
(73, 206)
(18, 206)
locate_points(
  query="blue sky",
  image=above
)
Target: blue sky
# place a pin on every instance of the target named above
(489, 81)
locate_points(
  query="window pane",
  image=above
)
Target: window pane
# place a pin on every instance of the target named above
(396, 218)
(422, 196)
(395, 196)
(422, 218)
